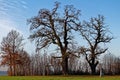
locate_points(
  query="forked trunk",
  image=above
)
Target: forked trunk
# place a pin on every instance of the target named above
(93, 65)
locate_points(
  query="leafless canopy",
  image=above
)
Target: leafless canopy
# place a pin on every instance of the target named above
(51, 27)
(94, 32)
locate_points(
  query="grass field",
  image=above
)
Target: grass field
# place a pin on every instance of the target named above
(59, 78)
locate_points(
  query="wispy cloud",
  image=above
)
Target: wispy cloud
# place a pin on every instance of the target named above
(11, 15)
(6, 25)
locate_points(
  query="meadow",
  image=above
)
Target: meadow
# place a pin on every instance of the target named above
(59, 78)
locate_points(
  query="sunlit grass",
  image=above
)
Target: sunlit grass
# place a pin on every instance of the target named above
(59, 78)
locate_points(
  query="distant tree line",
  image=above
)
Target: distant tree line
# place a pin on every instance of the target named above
(51, 27)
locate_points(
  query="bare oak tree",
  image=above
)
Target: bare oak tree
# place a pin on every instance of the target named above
(49, 27)
(95, 33)
(10, 47)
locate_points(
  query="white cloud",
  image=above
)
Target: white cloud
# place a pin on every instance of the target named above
(6, 25)
(11, 15)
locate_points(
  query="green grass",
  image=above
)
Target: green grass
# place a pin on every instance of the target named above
(59, 78)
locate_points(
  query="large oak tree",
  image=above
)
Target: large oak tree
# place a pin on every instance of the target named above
(95, 33)
(55, 27)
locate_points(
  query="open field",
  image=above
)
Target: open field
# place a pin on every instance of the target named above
(59, 78)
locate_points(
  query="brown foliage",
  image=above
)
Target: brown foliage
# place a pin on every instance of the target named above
(10, 48)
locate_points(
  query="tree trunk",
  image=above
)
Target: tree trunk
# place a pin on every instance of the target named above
(93, 69)
(10, 65)
(93, 65)
(10, 71)
(65, 65)
(14, 69)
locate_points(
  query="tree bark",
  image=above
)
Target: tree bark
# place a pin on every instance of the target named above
(93, 69)
(65, 65)
(10, 66)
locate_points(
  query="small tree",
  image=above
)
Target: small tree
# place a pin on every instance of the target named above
(51, 27)
(10, 47)
(95, 33)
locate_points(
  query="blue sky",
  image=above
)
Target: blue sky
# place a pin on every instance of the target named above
(14, 15)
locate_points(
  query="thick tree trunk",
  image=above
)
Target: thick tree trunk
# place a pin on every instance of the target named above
(65, 65)
(93, 65)
(93, 69)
